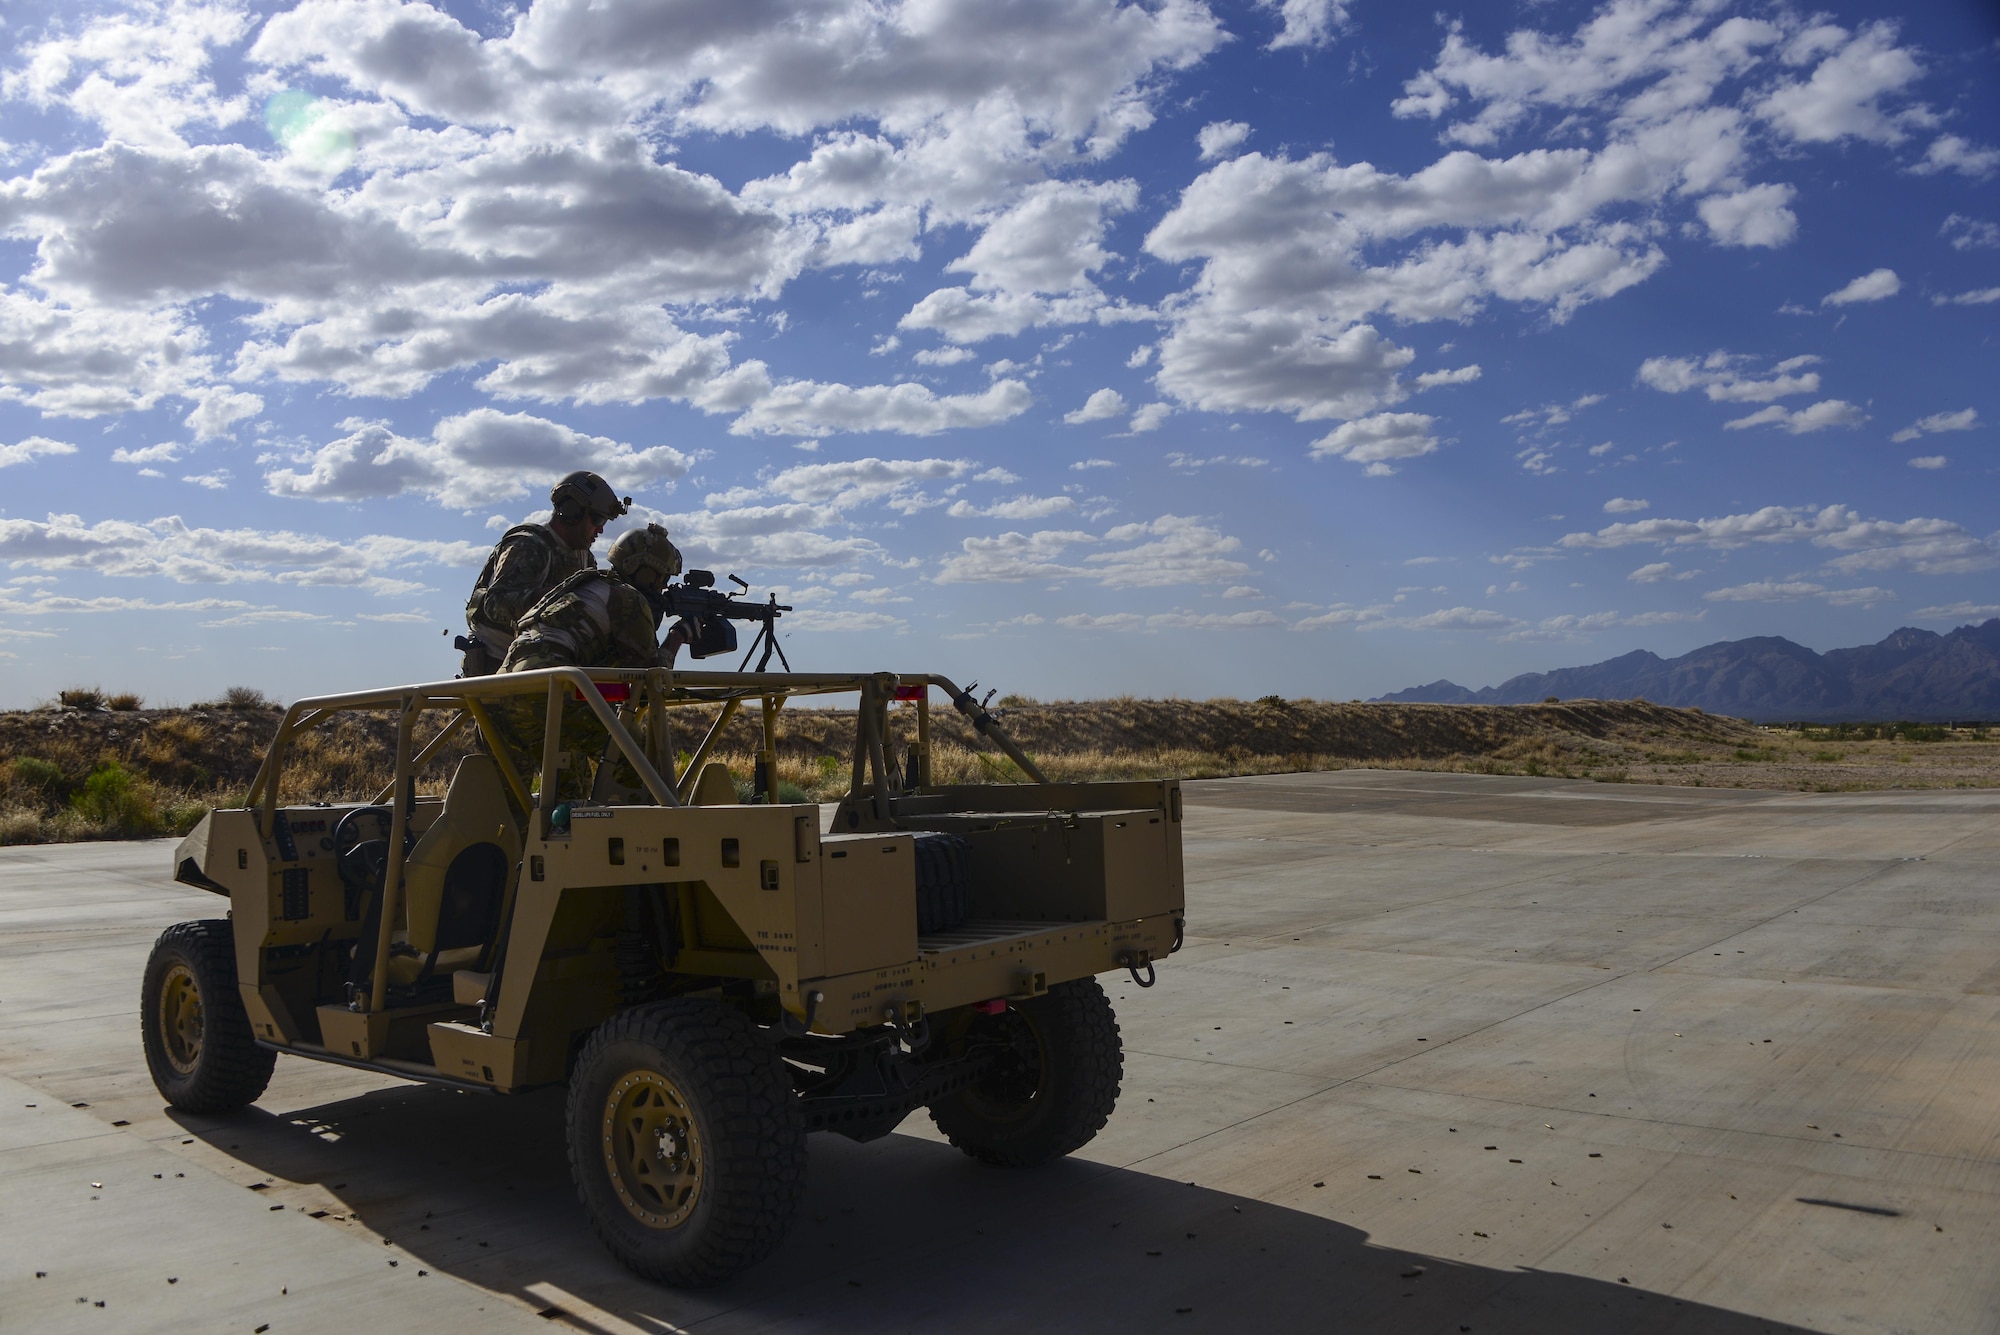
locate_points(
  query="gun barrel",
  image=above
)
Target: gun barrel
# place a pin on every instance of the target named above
(681, 603)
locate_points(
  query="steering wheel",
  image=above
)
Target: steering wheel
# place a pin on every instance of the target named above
(364, 863)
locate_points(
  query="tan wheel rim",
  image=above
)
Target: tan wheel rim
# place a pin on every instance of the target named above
(652, 1149)
(180, 1019)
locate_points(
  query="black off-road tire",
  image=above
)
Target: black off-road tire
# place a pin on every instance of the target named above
(749, 1139)
(199, 1045)
(944, 895)
(1055, 1090)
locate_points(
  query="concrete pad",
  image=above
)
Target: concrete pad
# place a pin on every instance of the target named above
(1582, 976)
(101, 1231)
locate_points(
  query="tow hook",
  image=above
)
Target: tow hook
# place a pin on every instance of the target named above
(799, 1029)
(913, 1036)
(1135, 960)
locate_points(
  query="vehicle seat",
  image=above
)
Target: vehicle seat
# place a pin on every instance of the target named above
(716, 787)
(456, 878)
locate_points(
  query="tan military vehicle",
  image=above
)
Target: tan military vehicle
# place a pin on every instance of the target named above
(712, 978)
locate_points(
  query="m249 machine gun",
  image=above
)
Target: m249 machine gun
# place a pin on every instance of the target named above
(706, 612)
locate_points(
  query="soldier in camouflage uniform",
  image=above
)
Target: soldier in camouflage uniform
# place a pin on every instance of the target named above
(601, 618)
(593, 619)
(532, 559)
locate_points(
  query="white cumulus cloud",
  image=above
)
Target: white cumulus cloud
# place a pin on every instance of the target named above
(1923, 545)
(810, 408)
(1965, 419)
(1876, 285)
(31, 448)
(1788, 591)
(470, 459)
(1306, 22)
(1970, 233)
(1818, 417)
(1462, 375)
(1730, 378)
(1219, 138)
(1100, 405)
(1376, 440)
(1161, 553)
(1950, 153)
(1757, 216)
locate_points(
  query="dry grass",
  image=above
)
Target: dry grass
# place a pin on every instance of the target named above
(88, 773)
(1607, 741)
(74, 774)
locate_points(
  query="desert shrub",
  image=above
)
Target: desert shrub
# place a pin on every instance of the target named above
(32, 776)
(80, 697)
(182, 815)
(1864, 732)
(186, 730)
(124, 702)
(117, 800)
(1919, 732)
(1271, 701)
(246, 697)
(21, 825)
(788, 792)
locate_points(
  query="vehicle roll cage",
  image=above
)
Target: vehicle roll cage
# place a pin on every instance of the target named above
(638, 691)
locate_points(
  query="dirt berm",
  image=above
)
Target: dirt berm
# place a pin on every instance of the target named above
(215, 748)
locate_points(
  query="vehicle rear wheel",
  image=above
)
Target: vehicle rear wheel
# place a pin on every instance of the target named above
(685, 1141)
(1053, 1082)
(199, 1045)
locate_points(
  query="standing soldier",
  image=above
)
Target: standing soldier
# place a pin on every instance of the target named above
(529, 561)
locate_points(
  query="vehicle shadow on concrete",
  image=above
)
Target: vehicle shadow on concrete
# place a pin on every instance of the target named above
(908, 1234)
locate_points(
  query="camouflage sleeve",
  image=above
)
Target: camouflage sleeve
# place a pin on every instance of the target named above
(519, 577)
(634, 630)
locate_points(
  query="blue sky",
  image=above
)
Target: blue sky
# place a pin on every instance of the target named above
(1318, 347)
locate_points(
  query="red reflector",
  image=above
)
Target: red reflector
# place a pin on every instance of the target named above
(911, 692)
(993, 1007)
(614, 692)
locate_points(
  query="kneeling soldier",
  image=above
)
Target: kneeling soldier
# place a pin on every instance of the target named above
(602, 618)
(593, 619)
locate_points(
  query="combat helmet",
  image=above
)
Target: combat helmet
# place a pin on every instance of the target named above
(645, 557)
(586, 493)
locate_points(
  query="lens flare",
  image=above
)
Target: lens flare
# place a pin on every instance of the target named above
(310, 130)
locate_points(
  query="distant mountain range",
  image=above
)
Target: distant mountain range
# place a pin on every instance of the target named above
(1913, 674)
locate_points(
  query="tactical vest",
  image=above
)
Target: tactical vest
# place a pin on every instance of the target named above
(593, 619)
(492, 626)
(566, 628)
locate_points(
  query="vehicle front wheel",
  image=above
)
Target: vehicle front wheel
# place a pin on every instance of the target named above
(199, 1045)
(685, 1141)
(1056, 1064)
